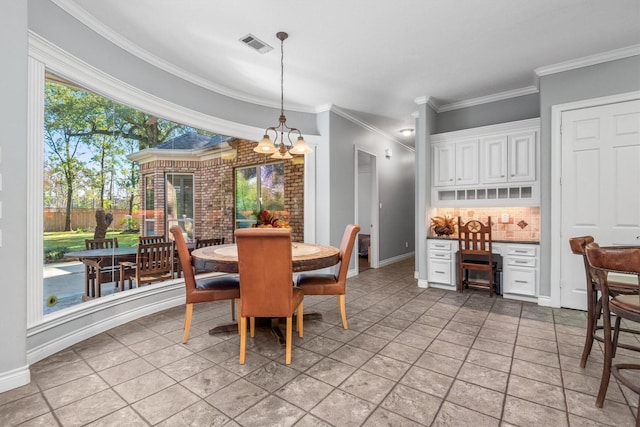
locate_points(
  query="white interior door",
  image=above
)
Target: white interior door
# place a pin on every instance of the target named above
(600, 186)
(366, 185)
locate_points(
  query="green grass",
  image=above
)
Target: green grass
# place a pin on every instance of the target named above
(57, 243)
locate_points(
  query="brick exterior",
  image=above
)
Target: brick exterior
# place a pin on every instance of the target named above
(214, 198)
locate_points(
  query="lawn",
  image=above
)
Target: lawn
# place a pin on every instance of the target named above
(57, 243)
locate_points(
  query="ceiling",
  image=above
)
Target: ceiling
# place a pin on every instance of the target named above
(372, 59)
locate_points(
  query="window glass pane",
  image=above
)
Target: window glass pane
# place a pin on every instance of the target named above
(179, 208)
(272, 187)
(246, 196)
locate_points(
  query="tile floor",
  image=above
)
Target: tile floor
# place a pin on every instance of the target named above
(411, 357)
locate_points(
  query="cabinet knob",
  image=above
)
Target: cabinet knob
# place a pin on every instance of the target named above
(450, 179)
(459, 179)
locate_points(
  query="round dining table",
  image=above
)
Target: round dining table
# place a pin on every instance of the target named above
(305, 257)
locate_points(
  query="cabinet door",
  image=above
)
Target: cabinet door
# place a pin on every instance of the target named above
(522, 157)
(494, 159)
(444, 165)
(467, 163)
(519, 280)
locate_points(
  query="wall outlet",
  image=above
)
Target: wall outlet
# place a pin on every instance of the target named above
(406, 244)
(505, 218)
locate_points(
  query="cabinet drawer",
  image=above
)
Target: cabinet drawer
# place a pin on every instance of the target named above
(440, 245)
(440, 271)
(522, 250)
(521, 281)
(440, 255)
(522, 262)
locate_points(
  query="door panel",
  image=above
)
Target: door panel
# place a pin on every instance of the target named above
(600, 186)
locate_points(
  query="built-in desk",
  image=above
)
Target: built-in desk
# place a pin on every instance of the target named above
(520, 266)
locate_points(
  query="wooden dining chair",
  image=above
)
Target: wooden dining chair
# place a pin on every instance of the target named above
(154, 263)
(603, 261)
(266, 282)
(99, 271)
(146, 240)
(594, 299)
(332, 284)
(475, 253)
(203, 243)
(203, 289)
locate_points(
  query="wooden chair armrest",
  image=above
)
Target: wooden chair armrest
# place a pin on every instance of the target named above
(127, 264)
(91, 263)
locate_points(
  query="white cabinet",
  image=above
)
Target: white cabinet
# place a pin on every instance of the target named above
(441, 263)
(520, 271)
(508, 158)
(455, 164)
(489, 166)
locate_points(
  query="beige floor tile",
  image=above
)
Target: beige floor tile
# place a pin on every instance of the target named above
(365, 385)
(484, 377)
(537, 392)
(536, 372)
(90, 408)
(271, 411)
(413, 404)
(199, 414)
(523, 412)
(143, 386)
(21, 410)
(74, 390)
(427, 381)
(480, 399)
(165, 403)
(612, 413)
(454, 415)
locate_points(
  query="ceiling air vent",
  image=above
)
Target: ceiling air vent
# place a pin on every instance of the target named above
(255, 43)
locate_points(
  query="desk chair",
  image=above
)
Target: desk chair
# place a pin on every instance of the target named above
(266, 281)
(474, 238)
(330, 284)
(618, 259)
(594, 301)
(201, 290)
(98, 272)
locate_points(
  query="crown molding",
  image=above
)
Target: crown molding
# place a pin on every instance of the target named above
(484, 131)
(112, 36)
(586, 61)
(367, 126)
(500, 96)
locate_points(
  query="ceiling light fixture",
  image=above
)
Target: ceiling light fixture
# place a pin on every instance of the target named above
(406, 132)
(278, 147)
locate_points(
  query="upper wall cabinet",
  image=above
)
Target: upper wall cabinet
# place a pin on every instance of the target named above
(455, 163)
(508, 158)
(493, 165)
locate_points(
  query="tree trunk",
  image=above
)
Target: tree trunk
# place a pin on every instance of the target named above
(103, 221)
(67, 214)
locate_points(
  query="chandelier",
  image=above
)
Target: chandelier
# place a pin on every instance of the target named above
(280, 148)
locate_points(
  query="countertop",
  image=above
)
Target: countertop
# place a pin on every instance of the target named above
(520, 242)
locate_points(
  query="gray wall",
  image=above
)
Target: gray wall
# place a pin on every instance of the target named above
(395, 186)
(507, 110)
(609, 78)
(13, 166)
(55, 25)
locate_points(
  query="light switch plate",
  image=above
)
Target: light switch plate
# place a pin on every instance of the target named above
(505, 218)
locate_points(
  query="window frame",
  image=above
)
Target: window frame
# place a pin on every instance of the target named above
(42, 55)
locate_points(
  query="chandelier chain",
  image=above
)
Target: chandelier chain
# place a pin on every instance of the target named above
(282, 77)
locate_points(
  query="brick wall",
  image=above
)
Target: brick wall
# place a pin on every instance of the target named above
(214, 199)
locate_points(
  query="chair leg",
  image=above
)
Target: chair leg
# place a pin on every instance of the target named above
(243, 338)
(252, 326)
(299, 319)
(608, 344)
(616, 334)
(233, 309)
(187, 322)
(591, 324)
(343, 310)
(289, 338)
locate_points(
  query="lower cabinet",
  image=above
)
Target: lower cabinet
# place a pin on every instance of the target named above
(520, 263)
(520, 270)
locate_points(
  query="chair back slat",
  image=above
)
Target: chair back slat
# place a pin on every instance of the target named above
(346, 249)
(474, 237)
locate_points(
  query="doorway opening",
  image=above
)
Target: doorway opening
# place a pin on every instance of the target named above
(366, 191)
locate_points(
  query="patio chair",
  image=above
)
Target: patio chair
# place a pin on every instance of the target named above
(154, 263)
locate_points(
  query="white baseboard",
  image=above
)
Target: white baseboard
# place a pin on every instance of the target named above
(544, 301)
(59, 343)
(395, 259)
(423, 284)
(15, 378)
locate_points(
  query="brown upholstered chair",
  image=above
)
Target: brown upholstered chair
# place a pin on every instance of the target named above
(201, 290)
(594, 301)
(100, 271)
(266, 281)
(331, 284)
(618, 259)
(154, 263)
(475, 253)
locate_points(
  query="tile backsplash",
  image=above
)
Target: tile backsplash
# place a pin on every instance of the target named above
(523, 224)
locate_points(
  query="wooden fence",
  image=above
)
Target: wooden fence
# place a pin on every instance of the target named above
(80, 218)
